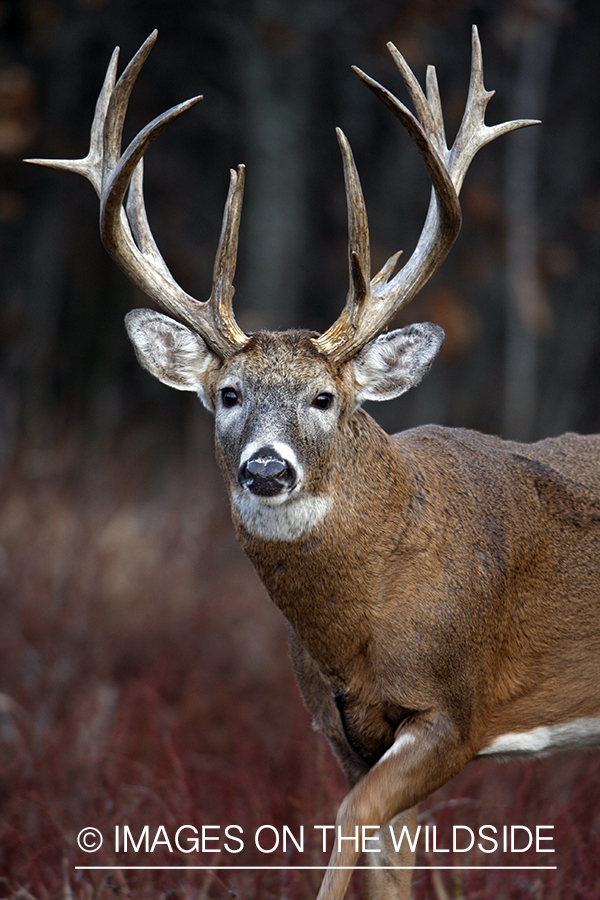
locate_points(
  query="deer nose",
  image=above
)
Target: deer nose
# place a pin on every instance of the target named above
(266, 473)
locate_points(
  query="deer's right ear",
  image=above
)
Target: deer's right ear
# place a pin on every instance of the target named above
(172, 352)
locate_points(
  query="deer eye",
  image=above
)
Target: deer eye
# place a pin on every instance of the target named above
(230, 397)
(323, 401)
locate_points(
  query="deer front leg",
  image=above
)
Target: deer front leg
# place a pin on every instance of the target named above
(380, 881)
(426, 754)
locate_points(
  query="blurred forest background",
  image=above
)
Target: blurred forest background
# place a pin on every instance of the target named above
(136, 644)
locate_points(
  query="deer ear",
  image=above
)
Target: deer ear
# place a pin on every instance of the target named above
(396, 361)
(172, 352)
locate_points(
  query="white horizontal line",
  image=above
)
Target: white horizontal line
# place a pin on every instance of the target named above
(298, 868)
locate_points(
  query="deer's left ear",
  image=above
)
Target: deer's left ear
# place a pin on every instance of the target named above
(395, 362)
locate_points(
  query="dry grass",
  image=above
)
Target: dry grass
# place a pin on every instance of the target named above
(144, 680)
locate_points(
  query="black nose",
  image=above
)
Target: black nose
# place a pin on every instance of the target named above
(266, 473)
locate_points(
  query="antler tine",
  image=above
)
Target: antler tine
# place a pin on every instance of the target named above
(221, 298)
(126, 233)
(90, 166)
(112, 130)
(473, 133)
(361, 321)
(428, 107)
(358, 224)
(138, 222)
(359, 255)
(434, 103)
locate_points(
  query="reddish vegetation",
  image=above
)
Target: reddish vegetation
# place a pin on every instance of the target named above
(144, 680)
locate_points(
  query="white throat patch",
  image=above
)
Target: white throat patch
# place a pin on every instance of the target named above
(284, 517)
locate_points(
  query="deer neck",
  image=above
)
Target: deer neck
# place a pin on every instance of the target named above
(322, 580)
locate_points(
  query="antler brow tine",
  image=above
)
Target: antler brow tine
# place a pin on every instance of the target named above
(125, 231)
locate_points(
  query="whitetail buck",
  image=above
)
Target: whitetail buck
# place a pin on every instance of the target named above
(441, 585)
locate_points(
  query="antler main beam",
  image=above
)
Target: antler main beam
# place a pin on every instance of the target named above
(125, 231)
(372, 303)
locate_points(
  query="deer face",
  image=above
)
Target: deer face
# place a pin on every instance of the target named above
(279, 406)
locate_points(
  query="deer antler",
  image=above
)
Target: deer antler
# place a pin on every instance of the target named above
(371, 304)
(125, 231)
